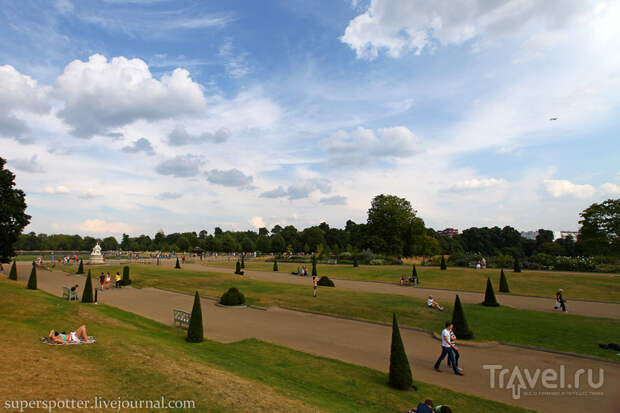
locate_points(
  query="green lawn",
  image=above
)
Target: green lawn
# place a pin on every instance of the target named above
(138, 359)
(558, 331)
(591, 286)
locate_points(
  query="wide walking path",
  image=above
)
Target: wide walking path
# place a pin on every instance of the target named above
(579, 307)
(368, 344)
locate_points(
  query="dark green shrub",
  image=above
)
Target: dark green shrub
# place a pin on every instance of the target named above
(80, 269)
(238, 268)
(13, 272)
(517, 266)
(32, 281)
(326, 282)
(194, 331)
(275, 264)
(442, 265)
(503, 283)
(243, 261)
(178, 265)
(232, 297)
(461, 328)
(87, 295)
(355, 263)
(414, 273)
(400, 371)
(489, 295)
(125, 280)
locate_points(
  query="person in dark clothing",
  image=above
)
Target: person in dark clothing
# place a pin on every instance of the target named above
(426, 407)
(560, 301)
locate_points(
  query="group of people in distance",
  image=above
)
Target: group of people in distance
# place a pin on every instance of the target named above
(303, 271)
(106, 280)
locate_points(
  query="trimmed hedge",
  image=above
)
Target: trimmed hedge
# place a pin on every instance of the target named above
(194, 331)
(232, 297)
(400, 371)
(125, 280)
(326, 282)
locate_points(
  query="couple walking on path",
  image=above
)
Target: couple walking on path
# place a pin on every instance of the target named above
(449, 348)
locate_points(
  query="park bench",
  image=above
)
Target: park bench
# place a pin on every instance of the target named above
(67, 294)
(181, 318)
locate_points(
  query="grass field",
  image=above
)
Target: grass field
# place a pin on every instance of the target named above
(138, 359)
(591, 286)
(564, 332)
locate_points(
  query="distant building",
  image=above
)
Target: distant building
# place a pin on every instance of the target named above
(565, 234)
(529, 234)
(450, 232)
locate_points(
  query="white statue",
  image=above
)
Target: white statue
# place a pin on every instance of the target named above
(95, 255)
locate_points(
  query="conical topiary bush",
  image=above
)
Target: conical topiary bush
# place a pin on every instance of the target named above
(503, 283)
(13, 272)
(194, 331)
(400, 371)
(125, 280)
(461, 328)
(517, 266)
(238, 268)
(87, 295)
(489, 295)
(443, 265)
(275, 264)
(80, 269)
(314, 265)
(243, 261)
(414, 273)
(178, 265)
(32, 281)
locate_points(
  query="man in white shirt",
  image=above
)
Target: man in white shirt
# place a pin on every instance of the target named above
(447, 349)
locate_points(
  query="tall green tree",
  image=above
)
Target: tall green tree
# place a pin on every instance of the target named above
(194, 331)
(393, 225)
(503, 283)
(400, 371)
(13, 217)
(32, 281)
(87, 295)
(489, 295)
(461, 328)
(13, 271)
(600, 229)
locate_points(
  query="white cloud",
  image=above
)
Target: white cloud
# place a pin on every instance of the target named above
(476, 184)
(334, 200)
(60, 189)
(99, 226)
(141, 145)
(179, 136)
(400, 26)
(231, 178)
(27, 164)
(236, 66)
(168, 195)
(363, 146)
(257, 222)
(101, 95)
(18, 93)
(181, 166)
(300, 190)
(610, 189)
(559, 188)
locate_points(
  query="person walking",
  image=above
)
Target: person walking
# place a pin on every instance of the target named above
(117, 281)
(456, 351)
(315, 285)
(560, 302)
(101, 280)
(447, 349)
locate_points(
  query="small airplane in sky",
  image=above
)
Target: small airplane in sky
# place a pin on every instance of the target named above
(553, 118)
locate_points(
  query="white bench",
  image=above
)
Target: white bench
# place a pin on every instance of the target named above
(67, 294)
(181, 318)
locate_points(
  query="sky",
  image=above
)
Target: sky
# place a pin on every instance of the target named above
(140, 115)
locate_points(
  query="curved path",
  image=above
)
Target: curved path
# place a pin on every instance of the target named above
(368, 344)
(580, 307)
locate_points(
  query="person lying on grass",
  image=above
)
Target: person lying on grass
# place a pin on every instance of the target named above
(73, 337)
(433, 304)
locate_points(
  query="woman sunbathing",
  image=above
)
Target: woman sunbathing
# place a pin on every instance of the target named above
(73, 337)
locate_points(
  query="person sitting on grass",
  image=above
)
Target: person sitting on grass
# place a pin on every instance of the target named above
(426, 407)
(433, 304)
(73, 337)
